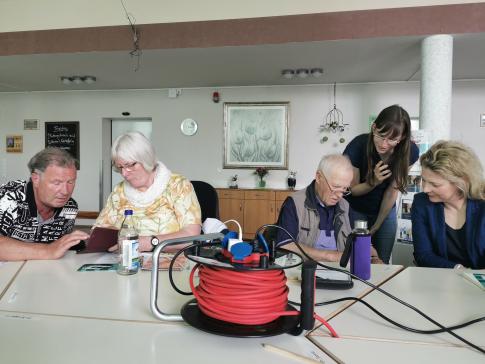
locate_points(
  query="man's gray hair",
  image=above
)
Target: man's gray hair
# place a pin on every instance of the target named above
(51, 156)
(331, 161)
(134, 147)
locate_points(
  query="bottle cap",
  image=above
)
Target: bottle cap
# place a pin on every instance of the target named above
(128, 212)
(360, 224)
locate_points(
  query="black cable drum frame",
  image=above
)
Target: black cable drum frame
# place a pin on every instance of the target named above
(211, 255)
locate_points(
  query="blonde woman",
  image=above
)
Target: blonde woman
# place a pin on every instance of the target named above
(449, 217)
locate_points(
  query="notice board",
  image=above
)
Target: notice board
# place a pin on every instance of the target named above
(63, 135)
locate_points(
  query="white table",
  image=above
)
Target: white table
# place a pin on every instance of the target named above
(443, 294)
(380, 273)
(8, 270)
(59, 340)
(55, 287)
(363, 351)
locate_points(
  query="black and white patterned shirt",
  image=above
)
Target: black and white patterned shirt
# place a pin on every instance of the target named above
(18, 215)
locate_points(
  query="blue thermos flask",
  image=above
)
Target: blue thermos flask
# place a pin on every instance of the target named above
(360, 257)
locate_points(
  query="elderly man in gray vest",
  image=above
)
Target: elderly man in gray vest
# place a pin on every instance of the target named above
(318, 216)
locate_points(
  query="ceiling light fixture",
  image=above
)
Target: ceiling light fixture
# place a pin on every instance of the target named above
(78, 80)
(316, 72)
(288, 74)
(66, 80)
(302, 72)
(89, 79)
(334, 120)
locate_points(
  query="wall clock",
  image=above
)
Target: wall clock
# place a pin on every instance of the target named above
(188, 127)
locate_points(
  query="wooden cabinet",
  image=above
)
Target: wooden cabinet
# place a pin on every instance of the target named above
(231, 205)
(259, 209)
(250, 207)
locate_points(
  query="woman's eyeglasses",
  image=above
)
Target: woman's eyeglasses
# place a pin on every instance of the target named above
(128, 167)
(345, 191)
(382, 139)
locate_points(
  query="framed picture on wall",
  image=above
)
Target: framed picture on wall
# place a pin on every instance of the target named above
(31, 124)
(14, 143)
(256, 135)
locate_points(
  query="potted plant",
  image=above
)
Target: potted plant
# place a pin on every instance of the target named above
(261, 172)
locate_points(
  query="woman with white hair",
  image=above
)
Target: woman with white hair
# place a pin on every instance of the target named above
(164, 204)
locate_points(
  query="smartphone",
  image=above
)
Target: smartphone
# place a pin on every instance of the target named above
(332, 279)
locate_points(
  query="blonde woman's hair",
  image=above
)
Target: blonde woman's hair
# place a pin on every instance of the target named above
(459, 165)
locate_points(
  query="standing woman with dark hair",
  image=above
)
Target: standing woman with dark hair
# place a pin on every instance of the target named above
(381, 160)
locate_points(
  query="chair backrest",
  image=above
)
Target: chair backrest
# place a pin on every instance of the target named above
(208, 200)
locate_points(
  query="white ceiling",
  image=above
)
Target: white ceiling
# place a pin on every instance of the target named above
(345, 61)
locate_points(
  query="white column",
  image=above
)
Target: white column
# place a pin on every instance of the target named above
(436, 84)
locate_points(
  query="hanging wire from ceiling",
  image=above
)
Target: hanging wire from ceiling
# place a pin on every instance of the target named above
(136, 52)
(334, 120)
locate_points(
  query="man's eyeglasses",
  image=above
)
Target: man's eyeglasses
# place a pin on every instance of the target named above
(382, 139)
(345, 191)
(128, 167)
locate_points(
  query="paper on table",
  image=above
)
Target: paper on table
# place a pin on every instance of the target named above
(107, 258)
(477, 278)
(164, 261)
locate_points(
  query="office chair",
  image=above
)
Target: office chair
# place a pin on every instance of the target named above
(208, 200)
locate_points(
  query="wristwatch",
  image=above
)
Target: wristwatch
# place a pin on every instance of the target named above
(155, 241)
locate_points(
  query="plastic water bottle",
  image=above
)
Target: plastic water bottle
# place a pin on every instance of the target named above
(360, 256)
(129, 260)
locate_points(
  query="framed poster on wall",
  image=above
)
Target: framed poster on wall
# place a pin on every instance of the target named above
(64, 135)
(256, 135)
(14, 143)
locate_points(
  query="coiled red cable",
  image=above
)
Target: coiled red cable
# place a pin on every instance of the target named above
(243, 297)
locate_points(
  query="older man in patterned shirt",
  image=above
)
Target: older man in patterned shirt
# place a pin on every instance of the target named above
(37, 216)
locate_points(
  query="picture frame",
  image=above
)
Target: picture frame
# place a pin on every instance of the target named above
(256, 134)
(14, 143)
(406, 208)
(31, 124)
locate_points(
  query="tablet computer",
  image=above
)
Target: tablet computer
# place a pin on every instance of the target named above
(100, 240)
(332, 279)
